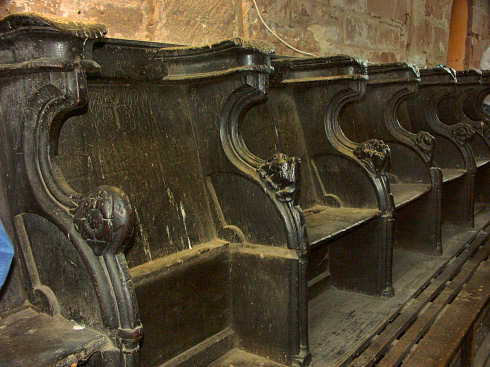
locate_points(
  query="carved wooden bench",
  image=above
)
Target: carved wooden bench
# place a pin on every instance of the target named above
(156, 187)
(133, 201)
(414, 182)
(344, 187)
(452, 151)
(473, 105)
(468, 97)
(65, 299)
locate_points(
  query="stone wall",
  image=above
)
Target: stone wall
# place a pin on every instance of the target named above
(377, 30)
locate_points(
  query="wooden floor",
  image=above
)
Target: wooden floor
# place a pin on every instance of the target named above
(363, 330)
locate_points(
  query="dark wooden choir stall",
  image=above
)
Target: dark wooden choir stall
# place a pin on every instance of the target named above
(217, 206)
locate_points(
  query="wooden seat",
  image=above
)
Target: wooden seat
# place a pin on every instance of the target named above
(133, 192)
(324, 223)
(179, 206)
(32, 338)
(342, 190)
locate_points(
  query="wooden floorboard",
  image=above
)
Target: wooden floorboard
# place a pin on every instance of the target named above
(352, 329)
(408, 315)
(401, 347)
(440, 344)
(355, 320)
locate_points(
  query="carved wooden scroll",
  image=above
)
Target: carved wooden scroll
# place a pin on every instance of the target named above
(97, 224)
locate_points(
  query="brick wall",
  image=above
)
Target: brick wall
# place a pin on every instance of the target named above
(378, 30)
(478, 36)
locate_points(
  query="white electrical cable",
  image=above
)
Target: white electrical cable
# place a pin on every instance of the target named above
(277, 36)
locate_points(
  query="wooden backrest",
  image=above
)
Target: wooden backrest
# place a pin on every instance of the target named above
(298, 118)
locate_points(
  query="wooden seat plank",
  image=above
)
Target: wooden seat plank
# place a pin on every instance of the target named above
(31, 338)
(425, 320)
(326, 223)
(452, 326)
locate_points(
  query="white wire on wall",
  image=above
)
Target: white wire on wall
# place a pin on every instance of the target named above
(277, 36)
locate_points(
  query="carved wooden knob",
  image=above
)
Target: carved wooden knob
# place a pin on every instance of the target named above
(105, 219)
(281, 175)
(375, 153)
(462, 133)
(425, 141)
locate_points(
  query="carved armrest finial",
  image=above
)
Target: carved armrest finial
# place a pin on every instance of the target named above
(281, 175)
(462, 132)
(375, 154)
(425, 142)
(486, 130)
(105, 219)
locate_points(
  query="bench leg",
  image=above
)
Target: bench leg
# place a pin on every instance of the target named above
(458, 201)
(361, 260)
(418, 225)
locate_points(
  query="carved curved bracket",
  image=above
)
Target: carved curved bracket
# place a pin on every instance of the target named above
(99, 223)
(105, 219)
(462, 133)
(279, 178)
(422, 141)
(375, 154)
(15, 22)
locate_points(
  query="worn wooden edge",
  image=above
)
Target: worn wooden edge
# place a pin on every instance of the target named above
(391, 73)
(437, 76)
(204, 352)
(46, 65)
(324, 79)
(301, 63)
(217, 73)
(469, 76)
(80, 353)
(263, 251)
(239, 43)
(35, 22)
(404, 81)
(148, 271)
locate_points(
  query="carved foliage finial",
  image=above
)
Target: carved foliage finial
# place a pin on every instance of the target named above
(375, 153)
(105, 219)
(281, 175)
(425, 142)
(462, 132)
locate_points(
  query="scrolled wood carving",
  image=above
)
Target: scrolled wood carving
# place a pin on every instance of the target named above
(105, 219)
(462, 132)
(281, 175)
(375, 154)
(425, 142)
